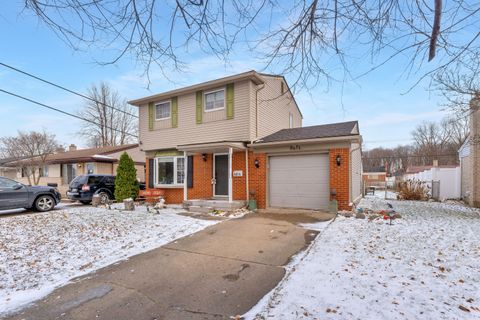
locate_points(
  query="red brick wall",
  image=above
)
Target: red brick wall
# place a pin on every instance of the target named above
(258, 178)
(239, 184)
(203, 171)
(339, 176)
(202, 180)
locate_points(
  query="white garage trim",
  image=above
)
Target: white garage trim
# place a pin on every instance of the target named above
(298, 181)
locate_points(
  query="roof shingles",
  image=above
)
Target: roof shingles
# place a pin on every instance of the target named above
(313, 132)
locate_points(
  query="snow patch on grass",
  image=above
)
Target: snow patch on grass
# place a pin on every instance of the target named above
(424, 266)
(42, 251)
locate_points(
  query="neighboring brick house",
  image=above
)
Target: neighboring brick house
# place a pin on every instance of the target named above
(241, 136)
(62, 166)
(374, 177)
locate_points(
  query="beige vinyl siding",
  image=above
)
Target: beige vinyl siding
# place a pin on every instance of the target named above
(215, 115)
(162, 124)
(188, 131)
(274, 108)
(134, 153)
(356, 171)
(103, 168)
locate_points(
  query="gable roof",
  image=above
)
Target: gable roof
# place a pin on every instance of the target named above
(93, 154)
(313, 132)
(252, 75)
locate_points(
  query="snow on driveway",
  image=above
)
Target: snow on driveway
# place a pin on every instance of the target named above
(42, 251)
(424, 266)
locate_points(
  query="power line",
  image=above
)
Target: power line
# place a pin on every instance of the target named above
(66, 89)
(64, 112)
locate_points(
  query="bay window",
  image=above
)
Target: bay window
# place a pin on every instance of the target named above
(169, 171)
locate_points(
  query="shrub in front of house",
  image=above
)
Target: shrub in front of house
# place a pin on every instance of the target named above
(126, 185)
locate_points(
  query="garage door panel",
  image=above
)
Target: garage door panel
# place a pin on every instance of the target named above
(299, 181)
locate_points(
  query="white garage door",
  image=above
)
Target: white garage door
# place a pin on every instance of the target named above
(299, 181)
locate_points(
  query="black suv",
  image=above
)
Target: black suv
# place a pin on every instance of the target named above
(83, 187)
(14, 195)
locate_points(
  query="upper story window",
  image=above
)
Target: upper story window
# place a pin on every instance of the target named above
(215, 100)
(162, 110)
(290, 121)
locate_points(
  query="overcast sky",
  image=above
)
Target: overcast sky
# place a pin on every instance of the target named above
(379, 101)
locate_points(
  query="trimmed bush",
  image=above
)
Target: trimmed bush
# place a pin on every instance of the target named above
(126, 184)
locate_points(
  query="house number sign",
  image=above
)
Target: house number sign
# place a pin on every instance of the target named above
(295, 147)
(238, 173)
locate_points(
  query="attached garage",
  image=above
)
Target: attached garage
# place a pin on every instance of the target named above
(299, 181)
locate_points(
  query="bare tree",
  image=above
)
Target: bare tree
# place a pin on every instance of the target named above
(305, 38)
(457, 128)
(459, 84)
(111, 119)
(31, 150)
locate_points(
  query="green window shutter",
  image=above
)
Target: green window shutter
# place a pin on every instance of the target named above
(174, 104)
(199, 106)
(229, 101)
(151, 115)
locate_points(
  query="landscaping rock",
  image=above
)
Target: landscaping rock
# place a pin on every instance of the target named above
(96, 200)
(360, 215)
(129, 204)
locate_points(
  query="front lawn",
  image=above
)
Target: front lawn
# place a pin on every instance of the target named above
(425, 266)
(42, 251)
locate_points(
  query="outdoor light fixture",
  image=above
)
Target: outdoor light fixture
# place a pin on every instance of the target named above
(204, 156)
(256, 163)
(338, 159)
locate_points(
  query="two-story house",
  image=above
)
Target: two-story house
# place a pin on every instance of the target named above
(241, 136)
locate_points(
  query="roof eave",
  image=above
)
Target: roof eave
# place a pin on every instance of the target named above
(249, 75)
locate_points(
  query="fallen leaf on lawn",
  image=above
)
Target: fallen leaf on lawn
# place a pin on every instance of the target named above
(463, 308)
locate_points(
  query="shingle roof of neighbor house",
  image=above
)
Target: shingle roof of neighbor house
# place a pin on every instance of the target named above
(94, 154)
(374, 169)
(313, 132)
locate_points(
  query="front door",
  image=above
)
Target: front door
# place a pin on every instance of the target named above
(220, 188)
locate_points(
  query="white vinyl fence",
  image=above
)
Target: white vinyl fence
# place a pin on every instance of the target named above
(449, 181)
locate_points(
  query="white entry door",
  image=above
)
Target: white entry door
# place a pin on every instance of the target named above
(299, 181)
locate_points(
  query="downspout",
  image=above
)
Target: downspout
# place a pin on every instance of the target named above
(350, 167)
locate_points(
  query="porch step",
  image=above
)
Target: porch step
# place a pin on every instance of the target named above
(210, 205)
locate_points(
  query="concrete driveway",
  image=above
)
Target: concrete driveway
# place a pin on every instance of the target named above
(217, 273)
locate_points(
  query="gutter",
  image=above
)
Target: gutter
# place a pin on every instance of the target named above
(355, 137)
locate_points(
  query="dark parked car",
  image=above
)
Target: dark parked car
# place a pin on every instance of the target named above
(14, 195)
(82, 188)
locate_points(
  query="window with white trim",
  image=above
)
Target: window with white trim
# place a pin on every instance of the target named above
(215, 100)
(290, 121)
(162, 110)
(169, 171)
(90, 168)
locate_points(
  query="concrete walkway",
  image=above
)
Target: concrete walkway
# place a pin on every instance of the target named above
(219, 272)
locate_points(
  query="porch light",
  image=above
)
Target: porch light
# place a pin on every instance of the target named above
(338, 160)
(204, 156)
(256, 163)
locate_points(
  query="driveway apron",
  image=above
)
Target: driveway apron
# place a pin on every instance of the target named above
(219, 272)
